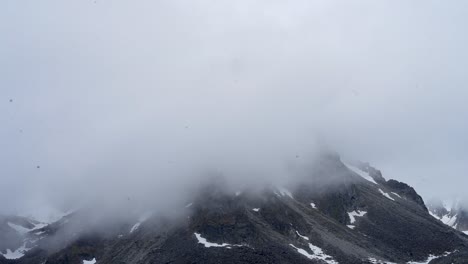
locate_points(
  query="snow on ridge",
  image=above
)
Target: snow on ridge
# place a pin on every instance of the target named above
(303, 237)
(386, 195)
(361, 173)
(93, 261)
(318, 254)
(396, 194)
(207, 244)
(450, 220)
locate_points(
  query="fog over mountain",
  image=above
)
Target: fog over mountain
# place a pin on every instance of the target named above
(141, 100)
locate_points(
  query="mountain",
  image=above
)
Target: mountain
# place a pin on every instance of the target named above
(333, 213)
(453, 214)
(18, 235)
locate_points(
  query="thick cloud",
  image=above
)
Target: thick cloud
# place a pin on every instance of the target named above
(141, 97)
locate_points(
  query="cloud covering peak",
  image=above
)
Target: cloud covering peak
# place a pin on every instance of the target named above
(143, 96)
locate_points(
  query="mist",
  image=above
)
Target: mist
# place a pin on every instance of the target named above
(108, 100)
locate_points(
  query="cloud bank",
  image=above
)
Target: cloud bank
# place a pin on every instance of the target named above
(139, 98)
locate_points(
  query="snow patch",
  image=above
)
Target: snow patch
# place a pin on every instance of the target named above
(313, 205)
(351, 226)
(303, 237)
(18, 253)
(361, 173)
(375, 261)
(386, 195)
(430, 258)
(93, 261)
(317, 254)
(188, 205)
(207, 244)
(256, 209)
(466, 232)
(354, 214)
(396, 194)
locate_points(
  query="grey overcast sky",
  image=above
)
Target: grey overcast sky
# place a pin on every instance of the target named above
(131, 96)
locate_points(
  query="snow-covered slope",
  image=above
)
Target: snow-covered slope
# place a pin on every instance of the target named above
(451, 213)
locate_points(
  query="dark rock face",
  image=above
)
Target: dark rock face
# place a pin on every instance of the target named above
(335, 217)
(406, 191)
(400, 188)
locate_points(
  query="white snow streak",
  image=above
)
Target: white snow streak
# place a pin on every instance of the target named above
(135, 227)
(143, 218)
(207, 244)
(256, 209)
(283, 191)
(303, 237)
(361, 173)
(386, 195)
(317, 254)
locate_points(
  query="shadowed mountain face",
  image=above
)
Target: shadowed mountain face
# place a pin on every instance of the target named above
(336, 214)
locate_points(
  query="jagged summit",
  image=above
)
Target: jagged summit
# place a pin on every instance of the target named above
(335, 213)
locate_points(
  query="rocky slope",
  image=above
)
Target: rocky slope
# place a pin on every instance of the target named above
(335, 213)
